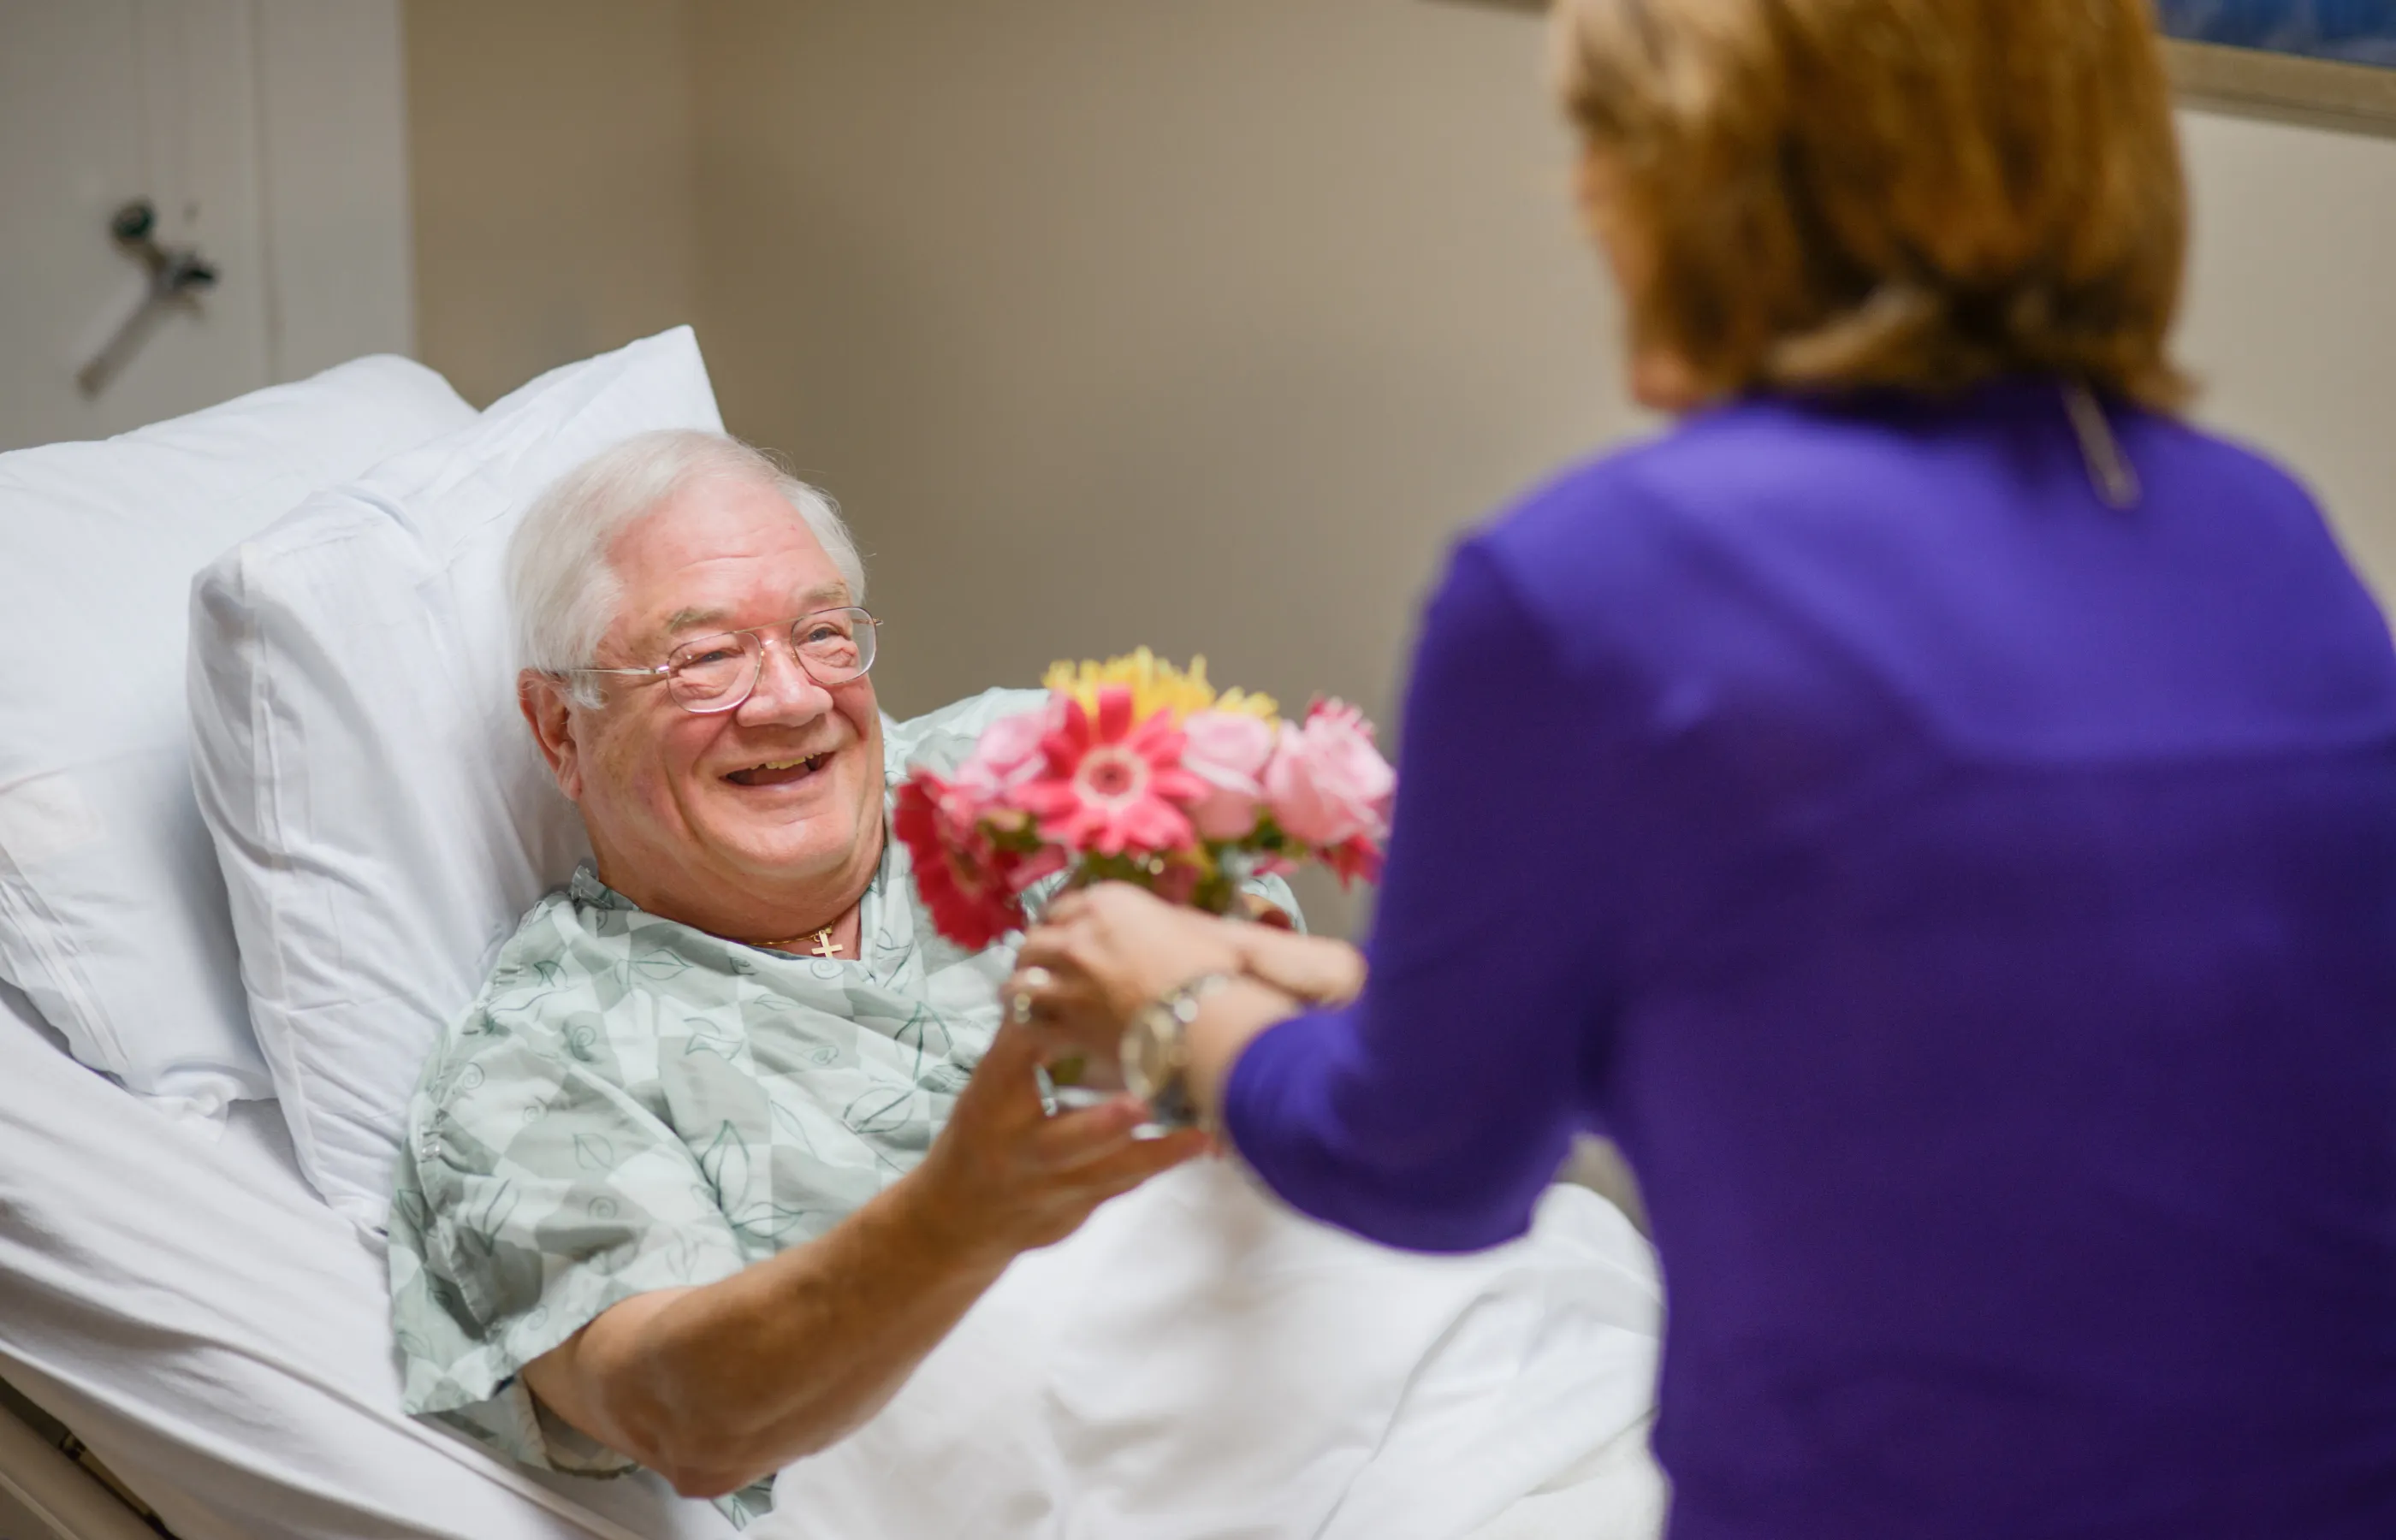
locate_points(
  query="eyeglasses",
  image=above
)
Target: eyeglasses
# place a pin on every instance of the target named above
(718, 673)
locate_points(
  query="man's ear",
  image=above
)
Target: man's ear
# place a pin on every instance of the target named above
(551, 715)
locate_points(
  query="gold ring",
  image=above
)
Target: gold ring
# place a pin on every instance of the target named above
(1020, 1008)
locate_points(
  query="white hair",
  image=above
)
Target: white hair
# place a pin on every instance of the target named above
(561, 586)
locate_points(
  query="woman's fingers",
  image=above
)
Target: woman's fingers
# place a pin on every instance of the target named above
(1065, 907)
(1064, 978)
(1126, 946)
(1055, 945)
(1033, 993)
(1070, 1017)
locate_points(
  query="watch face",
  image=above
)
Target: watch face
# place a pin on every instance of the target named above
(1147, 1063)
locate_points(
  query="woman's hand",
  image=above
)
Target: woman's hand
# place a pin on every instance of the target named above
(1098, 955)
(1312, 968)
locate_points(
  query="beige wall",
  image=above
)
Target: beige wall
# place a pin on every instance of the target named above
(1199, 324)
(2292, 310)
(1123, 320)
(550, 147)
(1126, 320)
(1115, 322)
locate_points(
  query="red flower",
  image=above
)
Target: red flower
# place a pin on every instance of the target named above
(1112, 785)
(965, 879)
(1353, 858)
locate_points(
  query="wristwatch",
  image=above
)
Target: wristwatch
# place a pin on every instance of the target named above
(1156, 1050)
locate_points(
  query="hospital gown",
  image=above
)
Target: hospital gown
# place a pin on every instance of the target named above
(632, 1104)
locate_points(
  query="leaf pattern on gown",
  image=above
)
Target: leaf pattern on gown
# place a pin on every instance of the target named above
(725, 1162)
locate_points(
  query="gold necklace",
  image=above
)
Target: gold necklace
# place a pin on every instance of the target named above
(825, 946)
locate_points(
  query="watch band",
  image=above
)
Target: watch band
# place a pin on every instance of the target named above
(1163, 1024)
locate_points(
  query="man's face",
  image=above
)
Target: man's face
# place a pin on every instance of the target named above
(686, 816)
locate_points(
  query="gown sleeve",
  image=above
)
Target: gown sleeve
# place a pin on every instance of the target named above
(1432, 1112)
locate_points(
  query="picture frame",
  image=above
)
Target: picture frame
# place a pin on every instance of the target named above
(2286, 77)
(2260, 82)
(2350, 31)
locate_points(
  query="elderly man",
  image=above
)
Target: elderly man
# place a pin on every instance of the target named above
(700, 1175)
(732, 1142)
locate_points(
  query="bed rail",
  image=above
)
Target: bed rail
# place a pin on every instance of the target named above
(44, 1481)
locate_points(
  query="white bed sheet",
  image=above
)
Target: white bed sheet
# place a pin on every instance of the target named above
(220, 1338)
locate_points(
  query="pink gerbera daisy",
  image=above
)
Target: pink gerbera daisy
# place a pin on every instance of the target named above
(1111, 784)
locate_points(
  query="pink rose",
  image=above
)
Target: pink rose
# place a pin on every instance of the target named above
(1008, 749)
(1326, 783)
(1228, 752)
(1005, 756)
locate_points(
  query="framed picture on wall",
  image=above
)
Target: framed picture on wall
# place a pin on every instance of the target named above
(2329, 62)
(2334, 60)
(2357, 31)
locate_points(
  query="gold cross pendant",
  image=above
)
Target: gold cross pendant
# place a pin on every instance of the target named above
(826, 946)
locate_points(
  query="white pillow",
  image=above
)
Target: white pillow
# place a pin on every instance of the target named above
(111, 914)
(380, 813)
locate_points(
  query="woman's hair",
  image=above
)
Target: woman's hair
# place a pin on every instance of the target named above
(1847, 195)
(561, 588)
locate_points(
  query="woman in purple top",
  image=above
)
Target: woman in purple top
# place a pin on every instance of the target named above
(1934, 808)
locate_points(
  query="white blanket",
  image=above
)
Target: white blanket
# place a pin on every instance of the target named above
(1200, 1361)
(223, 1339)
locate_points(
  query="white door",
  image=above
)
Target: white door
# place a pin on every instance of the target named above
(266, 133)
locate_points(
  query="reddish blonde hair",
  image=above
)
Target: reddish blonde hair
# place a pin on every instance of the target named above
(1921, 194)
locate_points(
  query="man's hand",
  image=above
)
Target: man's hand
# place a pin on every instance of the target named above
(718, 1385)
(1005, 1177)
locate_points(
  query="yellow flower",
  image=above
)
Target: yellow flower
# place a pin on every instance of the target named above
(1155, 685)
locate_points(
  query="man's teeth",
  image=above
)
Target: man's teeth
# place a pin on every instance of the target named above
(811, 762)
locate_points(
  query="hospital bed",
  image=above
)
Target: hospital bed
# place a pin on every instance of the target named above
(190, 1314)
(220, 1341)
(194, 1341)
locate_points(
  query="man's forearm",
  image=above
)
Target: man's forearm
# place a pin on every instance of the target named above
(715, 1387)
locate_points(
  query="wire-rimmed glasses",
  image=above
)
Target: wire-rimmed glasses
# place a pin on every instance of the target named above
(710, 675)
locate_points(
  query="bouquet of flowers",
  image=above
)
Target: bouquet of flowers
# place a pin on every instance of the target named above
(1136, 771)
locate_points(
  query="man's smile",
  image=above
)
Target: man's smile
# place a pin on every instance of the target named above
(782, 772)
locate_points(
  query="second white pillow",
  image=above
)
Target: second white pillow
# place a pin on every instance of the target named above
(111, 914)
(381, 815)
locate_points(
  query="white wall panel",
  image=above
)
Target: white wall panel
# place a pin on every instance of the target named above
(333, 153)
(102, 101)
(268, 133)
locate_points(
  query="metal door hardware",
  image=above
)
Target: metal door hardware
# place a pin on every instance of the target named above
(178, 275)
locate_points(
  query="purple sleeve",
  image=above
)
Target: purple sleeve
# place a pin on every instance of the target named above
(1433, 1112)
